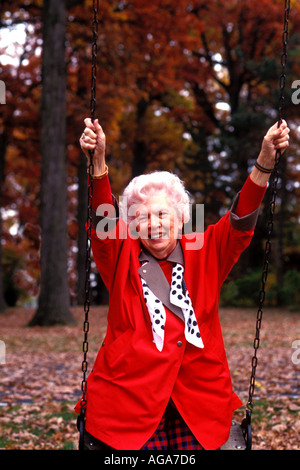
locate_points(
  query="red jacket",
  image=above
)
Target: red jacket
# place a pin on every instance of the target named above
(131, 382)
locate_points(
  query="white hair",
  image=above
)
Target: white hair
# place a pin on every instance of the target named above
(142, 187)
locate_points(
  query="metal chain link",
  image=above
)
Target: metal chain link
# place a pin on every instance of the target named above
(268, 245)
(90, 171)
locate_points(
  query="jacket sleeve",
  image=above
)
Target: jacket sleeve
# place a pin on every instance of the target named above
(108, 232)
(245, 208)
(234, 231)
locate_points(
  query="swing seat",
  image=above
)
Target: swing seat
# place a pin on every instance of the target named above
(239, 437)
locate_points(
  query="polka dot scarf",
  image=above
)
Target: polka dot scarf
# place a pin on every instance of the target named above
(177, 297)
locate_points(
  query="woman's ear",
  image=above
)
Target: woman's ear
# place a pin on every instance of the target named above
(180, 227)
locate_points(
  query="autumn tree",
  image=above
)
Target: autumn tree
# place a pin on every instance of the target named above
(188, 87)
(128, 96)
(19, 175)
(54, 298)
(234, 78)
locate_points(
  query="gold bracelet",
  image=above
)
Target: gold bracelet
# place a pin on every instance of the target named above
(262, 169)
(99, 177)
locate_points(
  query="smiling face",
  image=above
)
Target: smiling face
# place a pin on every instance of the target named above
(158, 226)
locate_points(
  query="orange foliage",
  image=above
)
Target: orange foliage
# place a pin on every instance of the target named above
(179, 60)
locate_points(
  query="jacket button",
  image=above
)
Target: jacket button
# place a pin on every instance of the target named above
(179, 344)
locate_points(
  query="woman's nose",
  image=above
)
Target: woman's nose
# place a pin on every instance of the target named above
(154, 221)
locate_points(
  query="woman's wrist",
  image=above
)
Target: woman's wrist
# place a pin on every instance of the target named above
(100, 171)
(263, 169)
(266, 157)
(258, 176)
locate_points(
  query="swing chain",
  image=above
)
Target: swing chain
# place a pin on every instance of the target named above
(284, 56)
(94, 58)
(90, 170)
(275, 176)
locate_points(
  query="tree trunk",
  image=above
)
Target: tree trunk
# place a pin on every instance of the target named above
(54, 301)
(139, 163)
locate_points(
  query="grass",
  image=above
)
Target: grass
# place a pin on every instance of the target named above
(41, 381)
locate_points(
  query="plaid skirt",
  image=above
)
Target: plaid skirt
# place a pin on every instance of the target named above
(172, 433)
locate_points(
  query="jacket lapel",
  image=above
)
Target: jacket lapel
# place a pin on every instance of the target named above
(152, 273)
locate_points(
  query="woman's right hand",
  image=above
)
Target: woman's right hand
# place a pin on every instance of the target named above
(93, 138)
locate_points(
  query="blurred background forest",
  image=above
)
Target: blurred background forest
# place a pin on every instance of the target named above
(189, 86)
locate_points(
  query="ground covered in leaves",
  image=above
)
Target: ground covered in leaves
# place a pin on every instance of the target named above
(41, 379)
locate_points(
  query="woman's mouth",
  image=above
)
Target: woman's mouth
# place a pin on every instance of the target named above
(157, 236)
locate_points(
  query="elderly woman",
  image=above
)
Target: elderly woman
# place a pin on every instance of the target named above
(161, 378)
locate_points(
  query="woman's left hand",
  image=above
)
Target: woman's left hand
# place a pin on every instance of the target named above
(277, 138)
